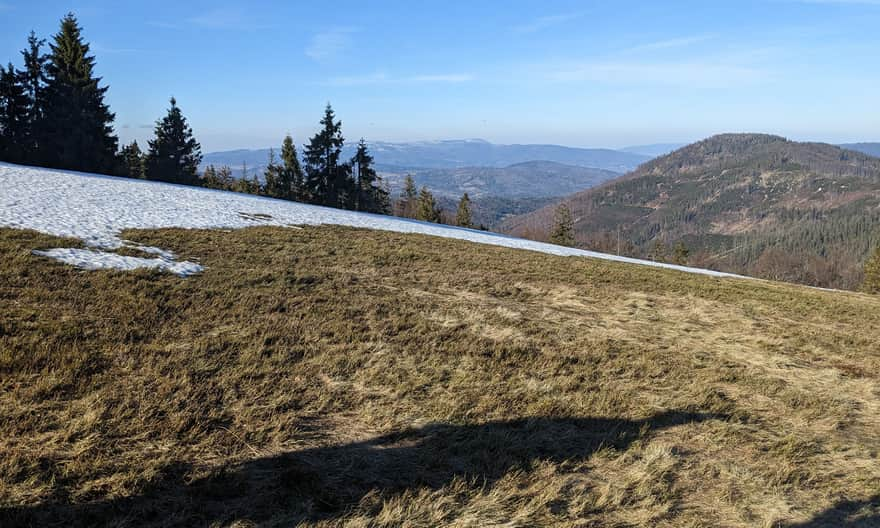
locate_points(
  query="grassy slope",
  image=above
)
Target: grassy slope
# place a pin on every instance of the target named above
(334, 376)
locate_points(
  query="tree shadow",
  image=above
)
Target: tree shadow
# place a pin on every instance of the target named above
(846, 514)
(326, 482)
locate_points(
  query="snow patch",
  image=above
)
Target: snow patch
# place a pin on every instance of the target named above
(94, 260)
(97, 208)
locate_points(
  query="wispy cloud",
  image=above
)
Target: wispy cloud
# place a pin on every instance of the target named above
(544, 22)
(688, 73)
(328, 44)
(678, 42)
(228, 18)
(381, 78)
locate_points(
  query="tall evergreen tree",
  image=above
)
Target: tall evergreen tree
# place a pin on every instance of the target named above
(174, 154)
(284, 180)
(369, 194)
(563, 227)
(34, 79)
(272, 177)
(326, 180)
(872, 273)
(463, 215)
(132, 160)
(291, 173)
(13, 117)
(406, 206)
(427, 209)
(76, 125)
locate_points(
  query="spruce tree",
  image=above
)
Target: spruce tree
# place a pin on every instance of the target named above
(427, 209)
(132, 160)
(406, 206)
(872, 273)
(284, 180)
(14, 127)
(326, 180)
(291, 171)
(174, 154)
(272, 177)
(76, 126)
(33, 77)
(463, 215)
(563, 227)
(369, 195)
(221, 178)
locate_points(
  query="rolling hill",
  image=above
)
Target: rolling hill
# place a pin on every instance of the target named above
(871, 149)
(204, 358)
(532, 179)
(747, 203)
(451, 154)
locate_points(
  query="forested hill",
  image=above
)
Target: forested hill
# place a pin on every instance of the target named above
(749, 203)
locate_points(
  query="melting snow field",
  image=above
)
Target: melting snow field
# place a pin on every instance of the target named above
(97, 208)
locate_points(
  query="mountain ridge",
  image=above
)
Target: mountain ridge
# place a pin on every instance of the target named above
(748, 203)
(447, 154)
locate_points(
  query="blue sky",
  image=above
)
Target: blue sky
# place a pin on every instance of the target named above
(574, 73)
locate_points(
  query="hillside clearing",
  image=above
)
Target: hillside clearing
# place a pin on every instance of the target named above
(332, 376)
(97, 208)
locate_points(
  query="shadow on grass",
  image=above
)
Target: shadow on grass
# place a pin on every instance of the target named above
(846, 514)
(325, 483)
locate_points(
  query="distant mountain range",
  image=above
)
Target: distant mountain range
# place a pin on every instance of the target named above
(871, 149)
(531, 179)
(748, 203)
(452, 154)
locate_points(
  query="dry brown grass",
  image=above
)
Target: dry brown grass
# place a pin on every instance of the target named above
(333, 376)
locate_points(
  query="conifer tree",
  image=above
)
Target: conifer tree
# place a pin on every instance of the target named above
(291, 171)
(245, 184)
(221, 178)
(428, 210)
(284, 180)
(272, 177)
(132, 160)
(174, 154)
(872, 273)
(33, 77)
(681, 253)
(14, 127)
(658, 251)
(76, 126)
(326, 180)
(463, 216)
(563, 227)
(369, 196)
(406, 206)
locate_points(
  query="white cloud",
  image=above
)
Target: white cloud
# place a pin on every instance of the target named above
(328, 44)
(381, 78)
(227, 18)
(695, 73)
(679, 42)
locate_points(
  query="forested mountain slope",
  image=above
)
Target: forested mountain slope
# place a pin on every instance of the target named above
(748, 203)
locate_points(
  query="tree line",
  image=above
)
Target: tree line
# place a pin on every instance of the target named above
(53, 114)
